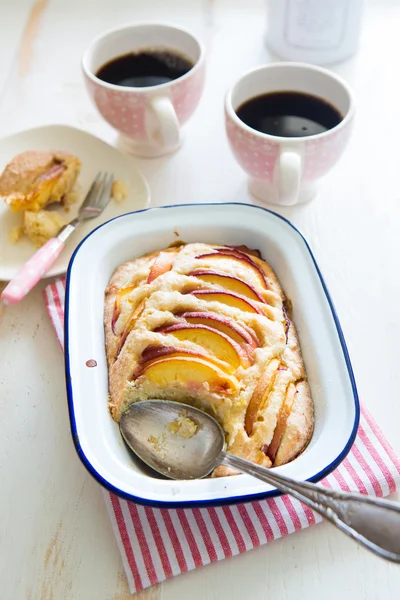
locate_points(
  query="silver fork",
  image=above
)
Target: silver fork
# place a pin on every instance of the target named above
(95, 202)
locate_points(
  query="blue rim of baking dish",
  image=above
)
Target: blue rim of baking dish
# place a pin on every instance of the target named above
(232, 499)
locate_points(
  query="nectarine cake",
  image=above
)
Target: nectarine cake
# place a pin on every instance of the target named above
(209, 325)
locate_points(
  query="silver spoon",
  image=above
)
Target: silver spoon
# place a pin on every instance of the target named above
(146, 428)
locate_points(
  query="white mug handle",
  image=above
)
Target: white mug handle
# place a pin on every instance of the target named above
(289, 177)
(168, 134)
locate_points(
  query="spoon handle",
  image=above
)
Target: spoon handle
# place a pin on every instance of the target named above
(373, 522)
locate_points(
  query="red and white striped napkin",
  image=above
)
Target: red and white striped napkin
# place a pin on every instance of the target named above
(156, 544)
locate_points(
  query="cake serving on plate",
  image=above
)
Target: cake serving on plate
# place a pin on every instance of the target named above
(33, 181)
(209, 325)
(36, 178)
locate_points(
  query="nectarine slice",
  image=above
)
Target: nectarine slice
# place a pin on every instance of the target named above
(117, 304)
(260, 395)
(211, 340)
(228, 298)
(153, 353)
(130, 325)
(225, 324)
(162, 264)
(232, 284)
(281, 421)
(191, 372)
(235, 255)
(246, 250)
(287, 321)
(39, 197)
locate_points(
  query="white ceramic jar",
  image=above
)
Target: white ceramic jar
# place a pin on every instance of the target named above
(315, 31)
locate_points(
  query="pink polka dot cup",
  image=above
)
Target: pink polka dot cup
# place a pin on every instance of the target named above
(283, 170)
(149, 119)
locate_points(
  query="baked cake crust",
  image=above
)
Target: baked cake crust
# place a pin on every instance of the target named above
(209, 325)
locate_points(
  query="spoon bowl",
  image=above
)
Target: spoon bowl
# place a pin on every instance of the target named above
(154, 430)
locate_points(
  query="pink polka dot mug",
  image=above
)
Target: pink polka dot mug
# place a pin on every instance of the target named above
(149, 119)
(283, 170)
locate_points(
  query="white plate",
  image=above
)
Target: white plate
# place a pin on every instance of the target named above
(95, 156)
(96, 435)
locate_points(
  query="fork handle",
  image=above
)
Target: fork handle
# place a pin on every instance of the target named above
(32, 271)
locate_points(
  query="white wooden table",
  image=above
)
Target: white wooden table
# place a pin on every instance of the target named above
(56, 541)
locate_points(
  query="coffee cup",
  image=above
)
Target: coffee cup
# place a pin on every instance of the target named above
(287, 125)
(148, 111)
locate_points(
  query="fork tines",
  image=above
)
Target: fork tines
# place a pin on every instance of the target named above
(98, 195)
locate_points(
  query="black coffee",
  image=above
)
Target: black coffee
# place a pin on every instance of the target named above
(289, 114)
(145, 69)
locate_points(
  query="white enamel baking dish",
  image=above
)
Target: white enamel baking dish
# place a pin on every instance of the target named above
(96, 435)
